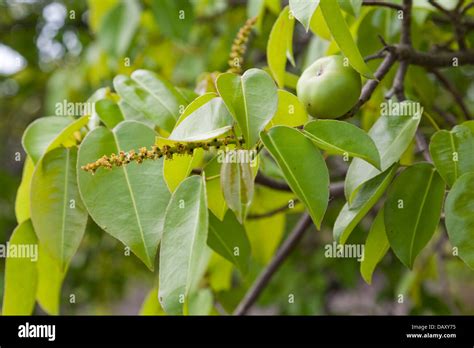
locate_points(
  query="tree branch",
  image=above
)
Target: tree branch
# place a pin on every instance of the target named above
(371, 85)
(336, 189)
(381, 4)
(259, 285)
(451, 88)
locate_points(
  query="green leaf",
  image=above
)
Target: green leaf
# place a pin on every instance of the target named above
(251, 99)
(22, 201)
(178, 169)
(175, 18)
(392, 135)
(208, 121)
(21, 274)
(460, 219)
(237, 183)
(343, 138)
(290, 111)
(342, 35)
(195, 105)
(303, 167)
(413, 210)
(351, 6)
(365, 198)
(183, 245)
(280, 46)
(303, 10)
(57, 212)
(201, 302)
(215, 197)
(151, 305)
(127, 202)
(452, 152)
(376, 246)
(118, 27)
(228, 239)
(50, 281)
(109, 112)
(154, 97)
(66, 136)
(40, 133)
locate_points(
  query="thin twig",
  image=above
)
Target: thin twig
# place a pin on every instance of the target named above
(451, 88)
(259, 285)
(275, 211)
(381, 4)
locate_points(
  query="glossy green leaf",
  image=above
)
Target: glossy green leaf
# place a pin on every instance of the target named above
(132, 114)
(50, 281)
(175, 18)
(22, 201)
(179, 168)
(137, 191)
(280, 46)
(453, 152)
(343, 138)
(265, 235)
(376, 246)
(251, 99)
(195, 105)
(460, 218)
(303, 10)
(229, 239)
(58, 214)
(207, 122)
(303, 167)
(151, 305)
(156, 98)
(66, 137)
(413, 210)
(183, 245)
(237, 183)
(364, 199)
(392, 135)
(215, 197)
(290, 111)
(201, 302)
(41, 133)
(342, 35)
(118, 27)
(109, 112)
(21, 274)
(351, 6)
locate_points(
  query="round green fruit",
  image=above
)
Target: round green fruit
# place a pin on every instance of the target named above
(329, 88)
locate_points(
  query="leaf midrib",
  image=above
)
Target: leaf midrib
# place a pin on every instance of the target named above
(63, 227)
(193, 241)
(135, 209)
(423, 201)
(292, 176)
(160, 100)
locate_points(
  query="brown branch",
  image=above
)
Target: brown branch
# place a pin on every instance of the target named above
(270, 213)
(381, 4)
(451, 88)
(336, 189)
(263, 279)
(455, 17)
(371, 85)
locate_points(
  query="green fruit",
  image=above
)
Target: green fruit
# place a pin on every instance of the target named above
(329, 88)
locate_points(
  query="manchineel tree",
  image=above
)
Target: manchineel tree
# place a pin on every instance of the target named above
(179, 175)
